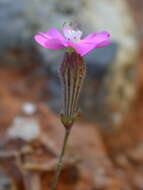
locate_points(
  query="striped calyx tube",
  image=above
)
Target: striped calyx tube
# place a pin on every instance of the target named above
(72, 73)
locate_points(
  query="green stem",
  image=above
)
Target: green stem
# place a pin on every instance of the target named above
(60, 163)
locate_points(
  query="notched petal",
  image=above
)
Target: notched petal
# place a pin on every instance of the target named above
(41, 39)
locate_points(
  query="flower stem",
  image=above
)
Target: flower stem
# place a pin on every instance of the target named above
(60, 163)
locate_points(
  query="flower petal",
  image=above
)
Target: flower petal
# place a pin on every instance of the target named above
(82, 49)
(101, 39)
(96, 37)
(90, 36)
(47, 42)
(53, 33)
(54, 44)
(41, 39)
(94, 40)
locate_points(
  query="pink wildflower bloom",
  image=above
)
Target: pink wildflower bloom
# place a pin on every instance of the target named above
(54, 40)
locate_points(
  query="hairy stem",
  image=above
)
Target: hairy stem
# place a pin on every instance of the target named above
(60, 163)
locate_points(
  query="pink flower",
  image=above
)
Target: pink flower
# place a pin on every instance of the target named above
(54, 40)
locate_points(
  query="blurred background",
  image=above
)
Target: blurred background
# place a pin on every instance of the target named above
(105, 150)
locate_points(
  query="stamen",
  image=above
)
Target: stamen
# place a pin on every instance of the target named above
(71, 33)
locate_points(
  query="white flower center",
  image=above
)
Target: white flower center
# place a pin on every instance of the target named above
(73, 35)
